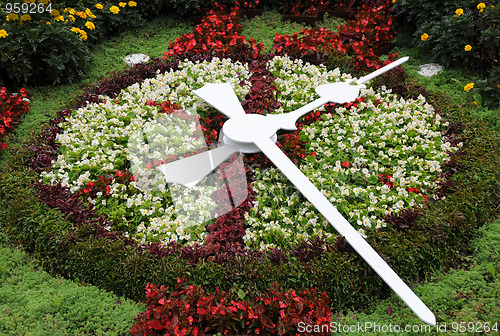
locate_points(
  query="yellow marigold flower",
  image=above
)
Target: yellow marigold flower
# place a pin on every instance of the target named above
(48, 23)
(3, 33)
(59, 18)
(72, 18)
(82, 33)
(12, 17)
(132, 4)
(459, 11)
(55, 13)
(122, 4)
(25, 17)
(481, 6)
(114, 10)
(468, 47)
(89, 13)
(99, 6)
(90, 25)
(45, 2)
(424, 37)
(83, 15)
(72, 11)
(468, 87)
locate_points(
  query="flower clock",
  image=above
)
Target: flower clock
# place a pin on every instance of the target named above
(141, 158)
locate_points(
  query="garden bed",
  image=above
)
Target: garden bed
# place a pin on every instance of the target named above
(82, 242)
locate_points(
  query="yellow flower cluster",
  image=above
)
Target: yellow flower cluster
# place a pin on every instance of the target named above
(12, 17)
(82, 33)
(459, 11)
(481, 6)
(69, 15)
(25, 18)
(89, 13)
(468, 87)
(468, 47)
(90, 25)
(83, 15)
(69, 10)
(424, 37)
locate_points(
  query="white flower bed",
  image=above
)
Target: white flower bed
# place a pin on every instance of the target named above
(382, 135)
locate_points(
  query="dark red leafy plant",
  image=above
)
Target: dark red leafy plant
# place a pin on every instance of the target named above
(12, 108)
(189, 310)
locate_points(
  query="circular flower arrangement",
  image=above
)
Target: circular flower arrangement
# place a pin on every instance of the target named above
(376, 156)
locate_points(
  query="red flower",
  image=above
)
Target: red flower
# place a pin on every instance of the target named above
(346, 164)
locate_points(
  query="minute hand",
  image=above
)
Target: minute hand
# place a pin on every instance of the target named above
(338, 92)
(328, 211)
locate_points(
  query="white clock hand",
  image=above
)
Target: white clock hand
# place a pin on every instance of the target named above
(222, 97)
(328, 211)
(339, 92)
(190, 170)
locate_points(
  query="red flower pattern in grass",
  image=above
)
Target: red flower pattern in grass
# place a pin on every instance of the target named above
(190, 310)
(218, 35)
(12, 108)
(372, 28)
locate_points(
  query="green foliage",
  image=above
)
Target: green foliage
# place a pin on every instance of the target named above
(51, 45)
(34, 303)
(41, 53)
(464, 34)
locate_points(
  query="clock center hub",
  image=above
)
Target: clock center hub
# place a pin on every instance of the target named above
(248, 128)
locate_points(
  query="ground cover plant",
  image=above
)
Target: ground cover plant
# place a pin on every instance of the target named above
(34, 303)
(225, 237)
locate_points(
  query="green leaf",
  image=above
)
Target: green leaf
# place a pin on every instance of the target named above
(373, 179)
(491, 269)
(241, 294)
(311, 158)
(478, 98)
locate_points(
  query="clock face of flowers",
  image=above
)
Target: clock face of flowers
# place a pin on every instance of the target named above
(378, 156)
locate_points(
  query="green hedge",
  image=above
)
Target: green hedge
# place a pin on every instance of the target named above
(34, 303)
